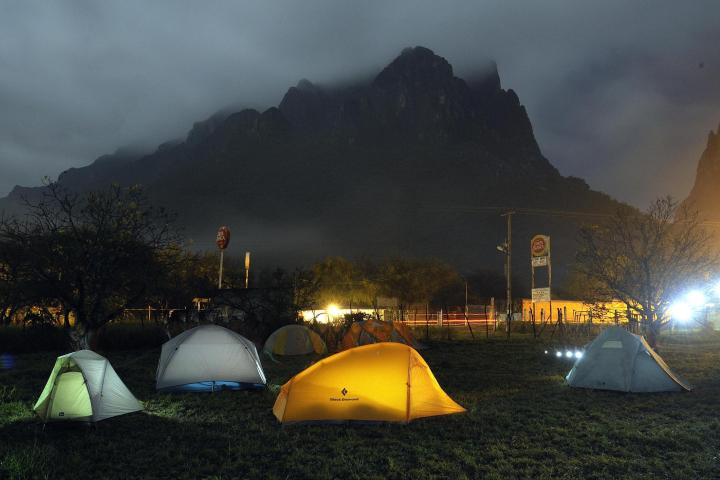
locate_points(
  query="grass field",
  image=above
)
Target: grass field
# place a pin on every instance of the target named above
(522, 422)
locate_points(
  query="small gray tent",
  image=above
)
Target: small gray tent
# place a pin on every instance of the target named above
(620, 360)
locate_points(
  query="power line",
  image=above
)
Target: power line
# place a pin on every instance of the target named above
(542, 212)
(518, 211)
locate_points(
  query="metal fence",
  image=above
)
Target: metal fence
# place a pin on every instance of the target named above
(480, 316)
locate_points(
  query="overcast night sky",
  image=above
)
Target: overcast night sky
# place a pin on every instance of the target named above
(620, 93)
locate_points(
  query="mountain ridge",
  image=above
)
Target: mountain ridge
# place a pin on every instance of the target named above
(352, 170)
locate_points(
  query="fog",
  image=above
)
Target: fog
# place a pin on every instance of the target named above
(619, 93)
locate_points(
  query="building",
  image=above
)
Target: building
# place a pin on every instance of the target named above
(575, 311)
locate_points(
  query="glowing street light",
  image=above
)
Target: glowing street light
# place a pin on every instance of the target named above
(696, 298)
(333, 310)
(681, 312)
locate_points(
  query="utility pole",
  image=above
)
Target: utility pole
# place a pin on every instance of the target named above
(508, 266)
(222, 240)
(220, 273)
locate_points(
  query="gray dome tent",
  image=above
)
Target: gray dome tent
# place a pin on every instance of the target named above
(620, 360)
(209, 358)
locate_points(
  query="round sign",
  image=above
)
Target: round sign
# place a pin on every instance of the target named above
(223, 237)
(539, 246)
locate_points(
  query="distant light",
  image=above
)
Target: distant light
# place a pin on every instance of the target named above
(569, 354)
(558, 354)
(333, 310)
(545, 352)
(696, 298)
(578, 354)
(681, 312)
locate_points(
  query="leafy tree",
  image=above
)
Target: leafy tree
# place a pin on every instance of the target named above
(257, 312)
(487, 283)
(418, 281)
(13, 292)
(186, 275)
(93, 253)
(305, 289)
(645, 260)
(341, 281)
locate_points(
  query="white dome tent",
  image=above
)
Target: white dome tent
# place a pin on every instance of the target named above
(209, 358)
(83, 386)
(620, 360)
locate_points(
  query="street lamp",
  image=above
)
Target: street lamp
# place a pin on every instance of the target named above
(681, 312)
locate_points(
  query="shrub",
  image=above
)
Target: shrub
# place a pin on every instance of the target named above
(130, 336)
(35, 338)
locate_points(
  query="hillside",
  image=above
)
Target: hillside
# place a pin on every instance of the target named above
(405, 164)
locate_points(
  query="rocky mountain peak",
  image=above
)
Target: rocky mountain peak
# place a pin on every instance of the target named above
(486, 82)
(415, 67)
(705, 195)
(305, 85)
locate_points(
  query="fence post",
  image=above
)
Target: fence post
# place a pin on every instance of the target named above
(531, 314)
(427, 322)
(487, 321)
(447, 313)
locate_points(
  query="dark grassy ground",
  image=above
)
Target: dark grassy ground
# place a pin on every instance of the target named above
(522, 422)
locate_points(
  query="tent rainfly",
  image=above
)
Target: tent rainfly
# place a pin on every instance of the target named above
(620, 360)
(209, 358)
(386, 382)
(83, 386)
(294, 340)
(372, 331)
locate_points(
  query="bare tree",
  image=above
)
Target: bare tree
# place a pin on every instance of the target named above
(93, 253)
(646, 259)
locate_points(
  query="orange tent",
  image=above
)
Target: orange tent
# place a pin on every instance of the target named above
(387, 382)
(373, 331)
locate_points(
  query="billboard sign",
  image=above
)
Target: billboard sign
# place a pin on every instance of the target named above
(540, 294)
(540, 246)
(223, 237)
(539, 261)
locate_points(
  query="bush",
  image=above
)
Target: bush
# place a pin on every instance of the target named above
(50, 338)
(35, 338)
(130, 336)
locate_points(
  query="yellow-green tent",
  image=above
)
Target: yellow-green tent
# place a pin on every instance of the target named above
(83, 386)
(294, 340)
(380, 382)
